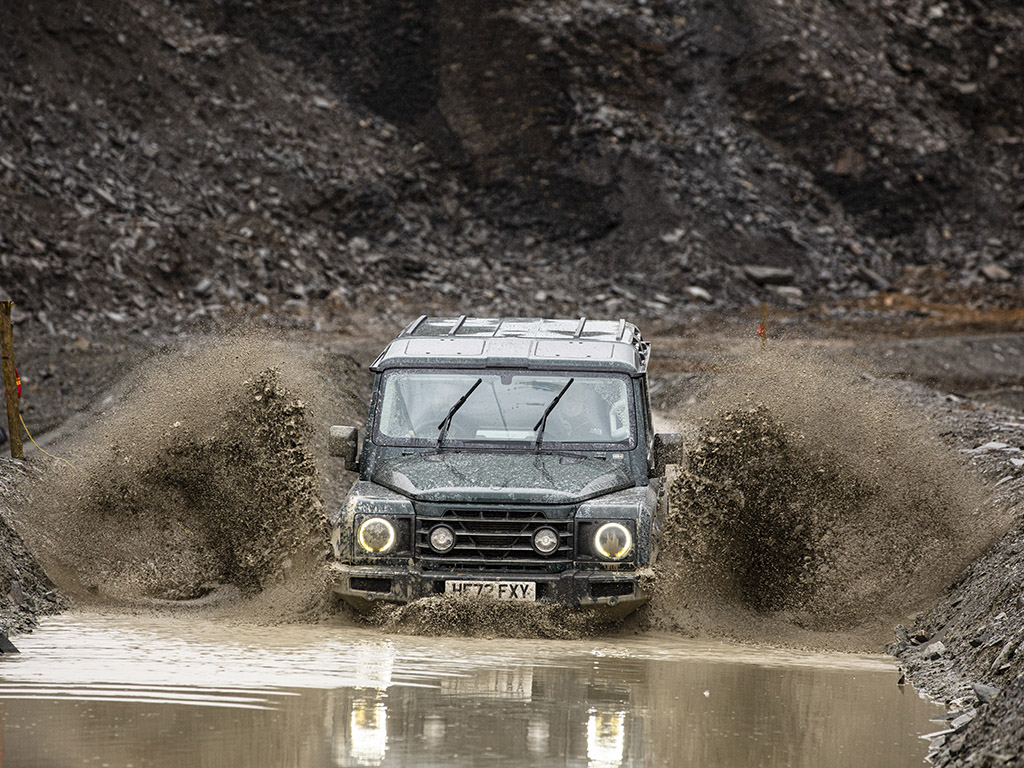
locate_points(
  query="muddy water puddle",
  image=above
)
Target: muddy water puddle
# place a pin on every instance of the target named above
(103, 690)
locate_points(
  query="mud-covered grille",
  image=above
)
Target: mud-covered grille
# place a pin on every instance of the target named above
(495, 539)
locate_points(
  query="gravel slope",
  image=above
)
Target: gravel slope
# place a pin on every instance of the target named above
(166, 164)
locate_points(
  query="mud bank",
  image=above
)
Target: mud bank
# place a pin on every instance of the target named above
(26, 593)
(966, 651)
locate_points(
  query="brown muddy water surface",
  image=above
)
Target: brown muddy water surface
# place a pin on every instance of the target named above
(158, 690)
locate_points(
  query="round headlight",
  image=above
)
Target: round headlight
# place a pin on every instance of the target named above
(376, 535)
(442, 539)
(613, 541)
(545, 540)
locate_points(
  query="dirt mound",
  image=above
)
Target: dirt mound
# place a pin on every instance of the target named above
(816, 499)
(484, 618)
(205, 473)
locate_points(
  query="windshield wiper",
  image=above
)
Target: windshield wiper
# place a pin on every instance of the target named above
(542, 424)
(447, 421)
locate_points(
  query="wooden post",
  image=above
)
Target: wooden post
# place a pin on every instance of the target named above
(762, 330)
(10, 382)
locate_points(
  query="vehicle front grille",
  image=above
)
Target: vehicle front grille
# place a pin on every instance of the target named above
(495, 539)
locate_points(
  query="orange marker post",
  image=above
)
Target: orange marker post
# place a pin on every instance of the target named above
(762, 329)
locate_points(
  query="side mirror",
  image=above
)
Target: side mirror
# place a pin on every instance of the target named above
(344, 442)
(668, 448)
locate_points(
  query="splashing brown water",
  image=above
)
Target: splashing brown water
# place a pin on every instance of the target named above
(810, 500)
(202, 474)
(484, 618)
(814, 498)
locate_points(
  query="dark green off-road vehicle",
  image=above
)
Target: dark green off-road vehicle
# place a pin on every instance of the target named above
(509, 459)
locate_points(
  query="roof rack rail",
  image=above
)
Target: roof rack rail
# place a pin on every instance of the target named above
(622, 328)
(458, 324)
(411, 328)
(579, 328)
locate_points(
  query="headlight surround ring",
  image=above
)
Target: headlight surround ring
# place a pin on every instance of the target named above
(613, 541)
(376, 535)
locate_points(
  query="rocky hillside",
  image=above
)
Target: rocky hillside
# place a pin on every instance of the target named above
(167, 163)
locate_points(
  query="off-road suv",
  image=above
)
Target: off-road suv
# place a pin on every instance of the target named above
(511, 459)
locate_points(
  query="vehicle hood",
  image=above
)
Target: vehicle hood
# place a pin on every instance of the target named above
(502, 477)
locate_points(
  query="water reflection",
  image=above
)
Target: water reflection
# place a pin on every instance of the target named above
(164, 693)
(365, 743)
(606, 739)
(505, 683)
(368, 735)
(538, 714)
(538, 736)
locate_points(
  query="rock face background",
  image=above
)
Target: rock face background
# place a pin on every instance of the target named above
(161, 163)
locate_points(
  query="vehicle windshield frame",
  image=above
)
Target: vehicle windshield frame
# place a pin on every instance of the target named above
(526, 444)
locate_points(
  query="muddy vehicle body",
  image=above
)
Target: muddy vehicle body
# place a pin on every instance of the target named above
(511, 459)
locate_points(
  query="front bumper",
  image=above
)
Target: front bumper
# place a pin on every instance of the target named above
(615, 594)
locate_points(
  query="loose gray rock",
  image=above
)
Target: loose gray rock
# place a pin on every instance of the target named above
(6, 646)
(934, 650)
(996, 273)
(985, 693)
(763, 275)
(788, 292)
(698, 293)
(872, 278)
(962, 720)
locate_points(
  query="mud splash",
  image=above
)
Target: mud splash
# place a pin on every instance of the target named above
(484, 618)
(813, 498)
(203, 474)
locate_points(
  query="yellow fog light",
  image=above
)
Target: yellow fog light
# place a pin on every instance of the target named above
(613, 541)
(376, 535)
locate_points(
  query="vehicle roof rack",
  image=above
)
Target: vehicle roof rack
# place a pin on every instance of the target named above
(524, 342)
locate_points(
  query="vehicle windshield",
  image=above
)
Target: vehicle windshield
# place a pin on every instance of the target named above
(505, 407)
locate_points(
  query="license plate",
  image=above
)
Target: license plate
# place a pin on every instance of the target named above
(493, 590)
